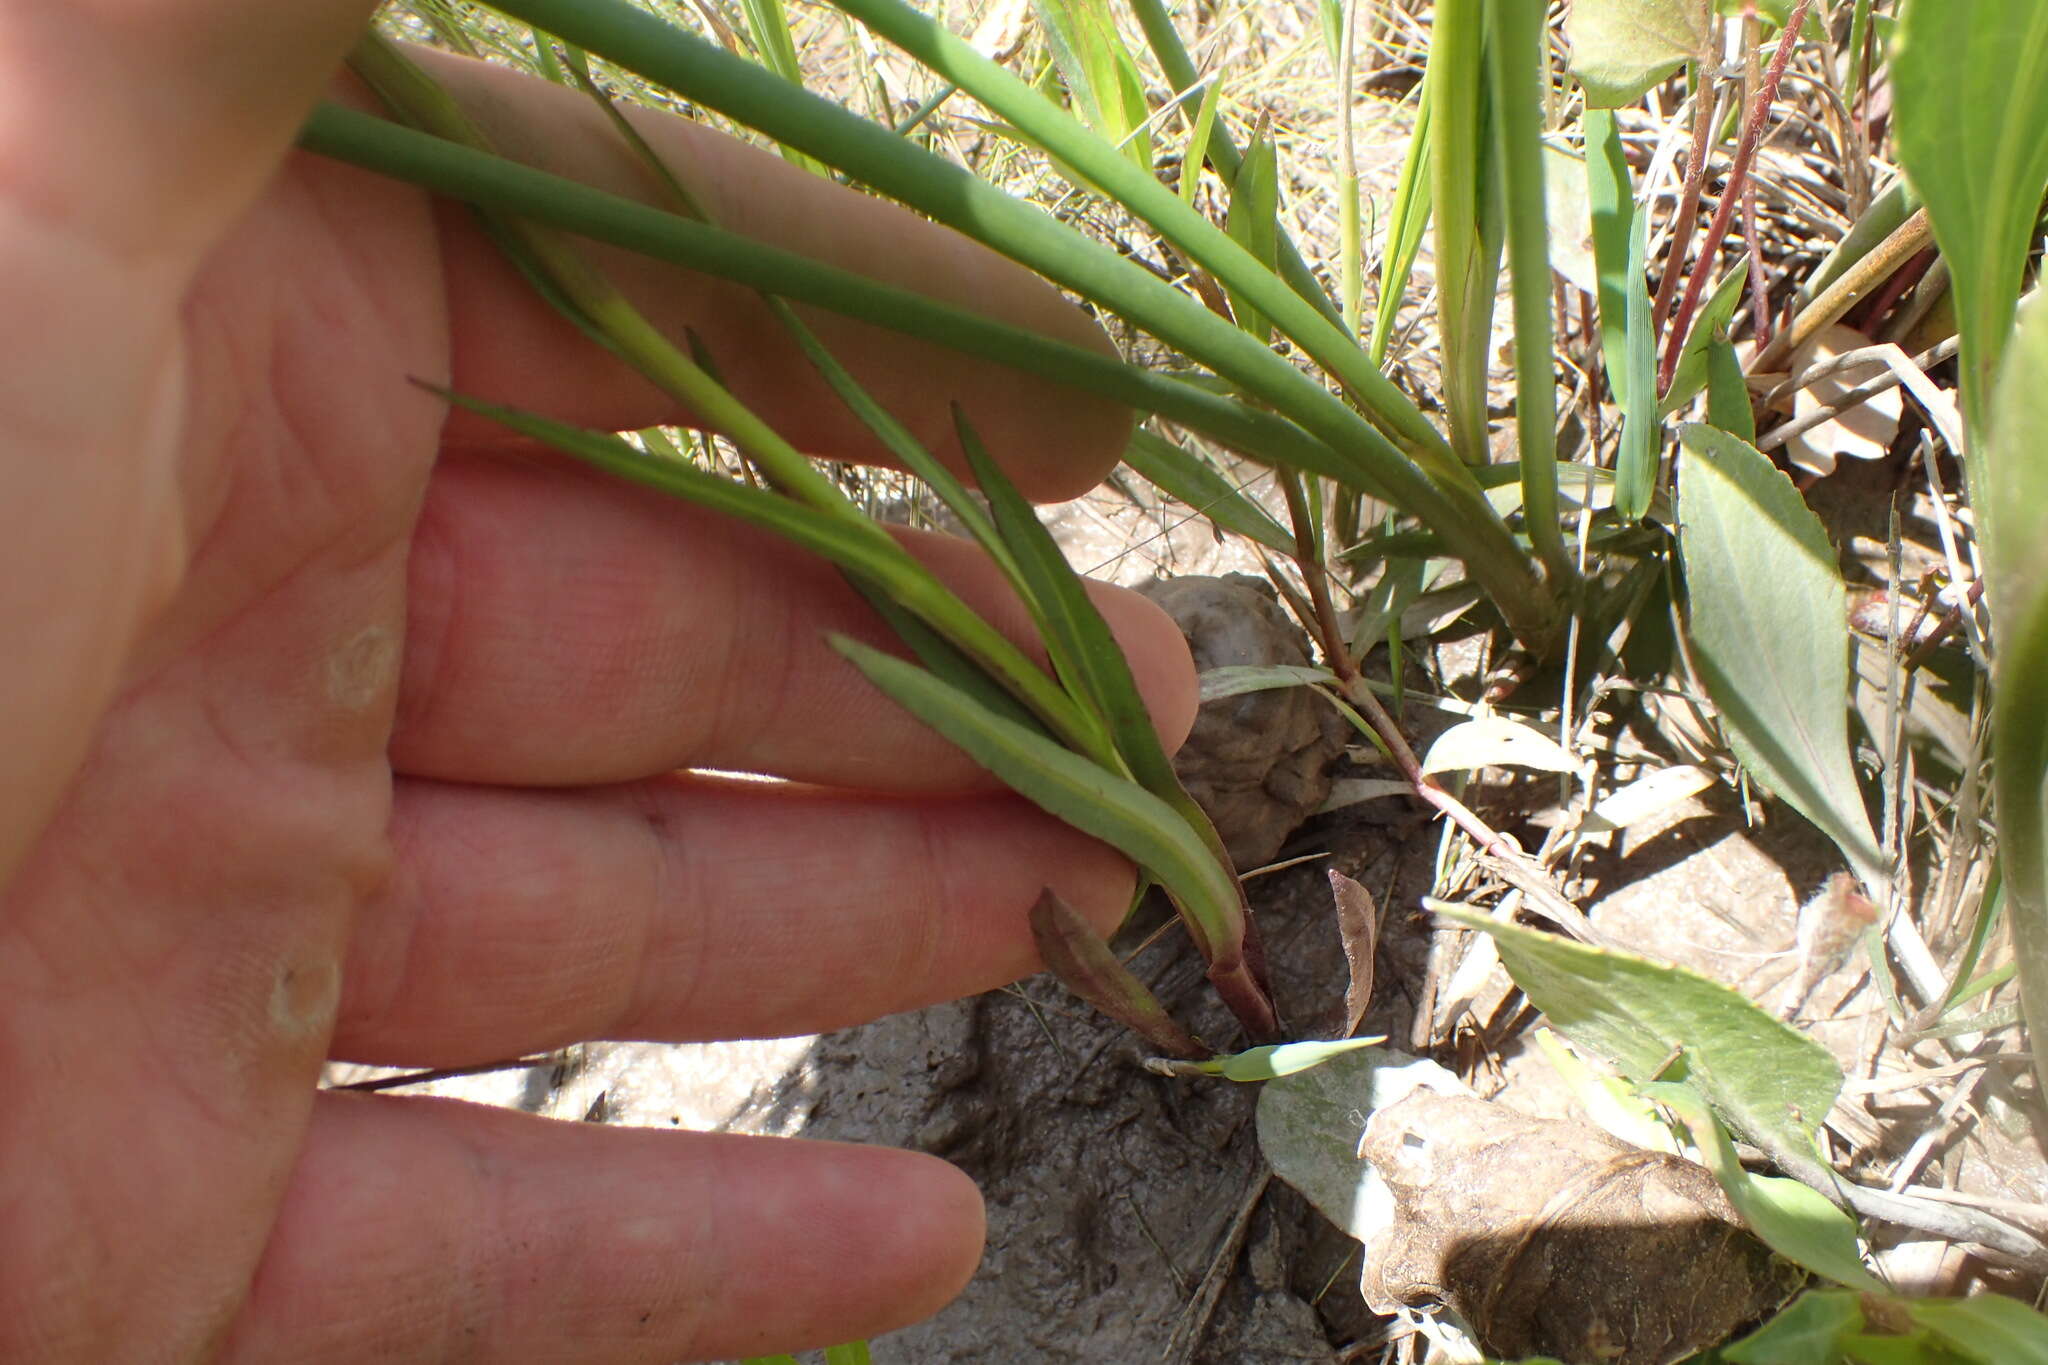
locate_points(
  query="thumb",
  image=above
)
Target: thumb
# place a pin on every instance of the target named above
(133, 133)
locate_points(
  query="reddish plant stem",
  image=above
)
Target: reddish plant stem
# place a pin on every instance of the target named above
(1335, 648)
(1944, 629)
(1886, 299)
(1516, 867)
(1250, 1004)
(1703, 124)
(1731, 194)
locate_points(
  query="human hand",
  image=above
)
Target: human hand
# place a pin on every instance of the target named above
(335, 726)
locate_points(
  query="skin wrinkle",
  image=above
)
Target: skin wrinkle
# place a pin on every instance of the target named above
(930, 941)
(675, 883)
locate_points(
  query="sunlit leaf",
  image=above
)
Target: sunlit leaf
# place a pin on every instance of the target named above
(1282, 1059)
(1253, 221)
(1770, 1083)
(2016, 551)
(1970, 100)
(1808, 1332)
(1796, 1222)
(1610, 199)
(1232, 680)
(1495, 741)
(1310, 1122)
(1642, 428)
(1620, 48)
(1987, 1327)
(1766, 620)
(1188, 477)
(1710, 325)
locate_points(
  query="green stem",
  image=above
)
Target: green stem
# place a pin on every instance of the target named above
(1514, 61)
(1464, 518)
(1222, 151)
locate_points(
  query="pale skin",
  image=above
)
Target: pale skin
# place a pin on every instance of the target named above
(336, 728)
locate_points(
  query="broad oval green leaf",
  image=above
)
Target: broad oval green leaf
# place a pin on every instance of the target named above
(1988, 1328)
(1769, 1083)
(1808, 1332)
(1768, 625)
(1793, 1220)
(1620, 48)
(1310, 1122)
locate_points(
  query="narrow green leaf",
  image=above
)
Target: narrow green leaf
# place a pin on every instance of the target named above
(1188, 477)
(1076, 953)
(1235, 679)
(1611, 198)
(1070, 788)
(2016, 554)
(1970, 94)
(768, 27)
(1090, 662)
(1057, 25)
(1172, 56)
(495, 182)
(1466, 188)
(1963, 983)
(1642, 431)
(1766, 623)
(896, 438)
(1407, 219)
(1771, 1084)
(852, 1353)
(1331, 13)
(1709, 326)
(1253, 221)
(1620, 48)
(1728, 405)
(1084, 652)
(1198, 140)
(860, 547)
(1515, 61)
(1988, 1327)
(1796, 1222)
(1282, 1059)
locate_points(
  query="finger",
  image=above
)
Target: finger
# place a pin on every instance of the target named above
(563, 629)
(694, 908)
(512, 347)
(431, 1230)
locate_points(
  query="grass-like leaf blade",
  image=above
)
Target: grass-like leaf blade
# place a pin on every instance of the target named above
(2017, 567)
(1082, 959)
(1970, 87)
(1186, 476)
(1071, 788)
